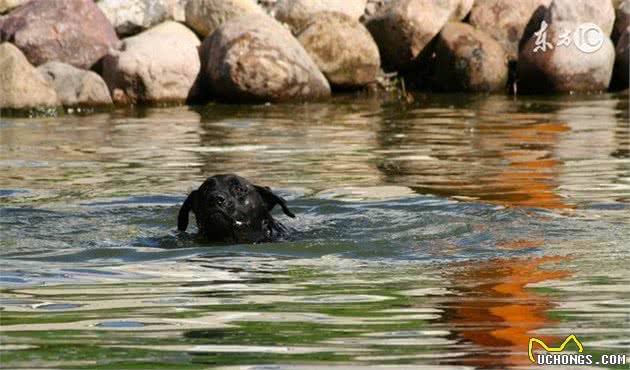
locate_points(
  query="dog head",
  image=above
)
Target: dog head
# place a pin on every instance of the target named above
(229, 208)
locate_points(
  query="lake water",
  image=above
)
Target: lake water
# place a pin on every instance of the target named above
(438, 234)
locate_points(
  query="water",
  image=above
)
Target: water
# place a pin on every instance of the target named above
(441, 234)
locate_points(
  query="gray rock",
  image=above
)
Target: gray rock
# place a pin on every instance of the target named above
(622, 68)
(342, 49)
(76, 86)
(622, 20)
(133, 16)
(505, 20)
(266, 64)
(600, 12)
(467, 59)
(564, 68)
(74, 32)
(8, 5)
(298, 13)
(205, 16)
(402, 29)
(21, 85)
(157, 65)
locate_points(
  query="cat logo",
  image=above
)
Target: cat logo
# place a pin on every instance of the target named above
(571, 337)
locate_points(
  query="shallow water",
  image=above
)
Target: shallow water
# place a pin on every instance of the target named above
(439, 234)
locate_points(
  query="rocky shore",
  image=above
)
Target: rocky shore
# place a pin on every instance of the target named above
(96, 53)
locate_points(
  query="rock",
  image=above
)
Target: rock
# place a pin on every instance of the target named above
(461, 10)
(564, 68)
(157, 65)
(177, 10)
(600, 12)
(266, 64)
(342, 49)
(298, 13)
(622, 20)
(205, 16)
(74, 32)
(75, 86)
(133, 16)
(8, 5)
(467, 59)
(621, 69)
(505, 20)
(402, 29)
(21, 85)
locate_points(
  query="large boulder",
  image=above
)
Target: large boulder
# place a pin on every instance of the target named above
(467, 59)
(621, 70)
(298, 13)
(76, 86)
(133, 16)
(8, 5)
(600, 12)
(342, 49)
(21, 85)
(205, 16)
(505, 20)
(564, 68)
(157, 65)
(622, 20)
(255, 58)
(74, 32)
(402, 29)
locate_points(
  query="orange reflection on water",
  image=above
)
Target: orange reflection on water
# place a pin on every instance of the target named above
(498, 313)
(531, 174)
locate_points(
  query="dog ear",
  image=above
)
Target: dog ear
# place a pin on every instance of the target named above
(272, 199)
(182, 217)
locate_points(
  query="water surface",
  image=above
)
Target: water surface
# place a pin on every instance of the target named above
(438, 234)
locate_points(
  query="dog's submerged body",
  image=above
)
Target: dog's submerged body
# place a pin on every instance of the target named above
(230, 209)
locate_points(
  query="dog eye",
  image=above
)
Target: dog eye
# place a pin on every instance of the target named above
(239, 190)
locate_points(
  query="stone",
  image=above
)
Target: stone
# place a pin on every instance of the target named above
(622, 20)
(342, 48)
(505, 20)
(254, 58)
(600, 12)
(74, 32)
(130, 17)
(75, 86)
(402, 29)
(21, 85)
(298, 13)
(622, 68)
(467, 59)
(8, 5)
(157, 65)
(461, 10)
(177, 10)
(205, 16)
(564, 68)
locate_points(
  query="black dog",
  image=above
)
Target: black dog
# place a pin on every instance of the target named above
(228, 208)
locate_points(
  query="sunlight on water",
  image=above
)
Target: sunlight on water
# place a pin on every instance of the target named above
(440, 235)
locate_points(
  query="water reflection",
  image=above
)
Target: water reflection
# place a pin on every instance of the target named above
(441, 234)
(551, 153)
(496, 311)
